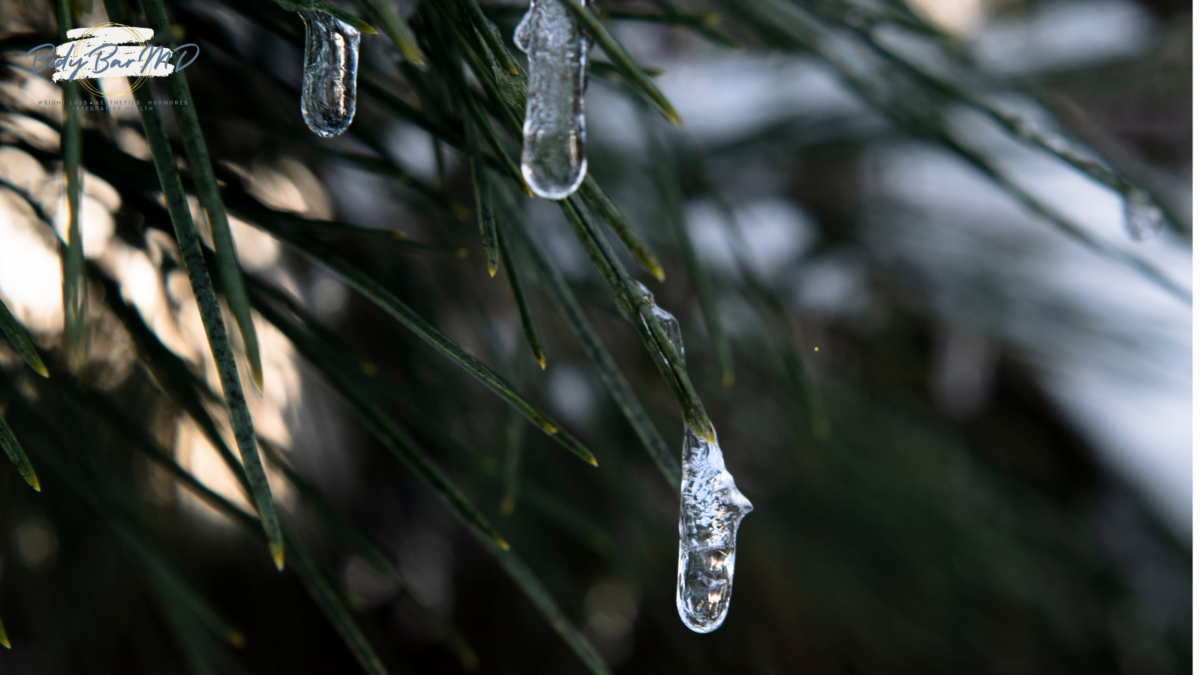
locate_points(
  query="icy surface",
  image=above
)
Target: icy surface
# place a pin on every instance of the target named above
(710, 510)
(553, 157)
(330, 73)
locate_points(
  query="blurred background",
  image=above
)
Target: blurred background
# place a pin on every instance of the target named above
(966, 434)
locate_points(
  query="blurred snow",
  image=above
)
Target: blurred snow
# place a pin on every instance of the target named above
(1113, 349)
(1064, 34)
(572, 393)
(777, 232)
(724, 97)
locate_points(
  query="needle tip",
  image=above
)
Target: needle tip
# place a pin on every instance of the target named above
(235, 638)
(277, 555)
(506, 506)
(541, 359)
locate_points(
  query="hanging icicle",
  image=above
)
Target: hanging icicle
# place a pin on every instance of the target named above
(330, 73)
(553, 157)
(710, 510)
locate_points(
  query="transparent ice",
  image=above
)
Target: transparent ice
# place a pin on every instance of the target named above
(710, 510)
(330, 73)
(553, 157)
(1143, 219)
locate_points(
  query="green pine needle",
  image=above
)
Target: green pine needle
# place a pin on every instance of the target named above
(20, 341)
(210, 309)
(16, 454)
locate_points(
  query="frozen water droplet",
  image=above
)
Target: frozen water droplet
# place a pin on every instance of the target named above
(553, 157)
(330, 73)
(521, 35)
(710, 510)
(667, 320)
(1143, 218)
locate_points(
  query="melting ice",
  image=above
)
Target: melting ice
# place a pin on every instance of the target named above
(710, 510)
(330, 73)
(553, 157)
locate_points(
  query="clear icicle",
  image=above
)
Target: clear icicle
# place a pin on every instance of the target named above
(710, 510)
(330, 73)
(553, 157)
(1143, 218)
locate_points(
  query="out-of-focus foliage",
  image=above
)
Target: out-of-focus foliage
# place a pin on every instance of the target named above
(876, 368)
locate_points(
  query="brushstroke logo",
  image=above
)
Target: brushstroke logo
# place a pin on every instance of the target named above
(110, 50)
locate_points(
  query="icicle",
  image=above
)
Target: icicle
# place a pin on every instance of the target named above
(553, 158)
(1143, 219)
(330, 73)
(710, 510)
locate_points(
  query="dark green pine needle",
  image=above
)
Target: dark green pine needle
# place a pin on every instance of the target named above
(20, 341)
(210, 309)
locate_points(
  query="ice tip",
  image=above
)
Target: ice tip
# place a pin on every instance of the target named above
(277, 554)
